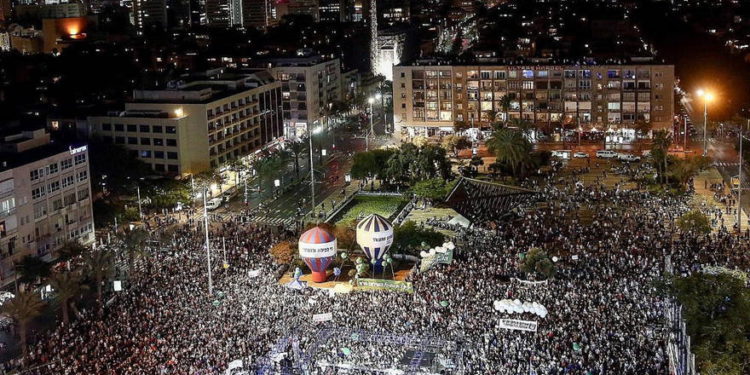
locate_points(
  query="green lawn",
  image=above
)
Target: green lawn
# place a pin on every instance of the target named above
(363, 205)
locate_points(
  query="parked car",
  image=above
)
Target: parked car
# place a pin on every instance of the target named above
(580, 154)
(606, 154)
(628, 158)
(562, 154)
(214, 203)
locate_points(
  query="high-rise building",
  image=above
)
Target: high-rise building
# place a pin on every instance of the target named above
(150, 14)
(336, 10)
(390, 50)
(225, 13)
(298, 7)
(259, 13)
(62, 10)
(309, 84)
(178, 14)
(429, 98)
(45, 199)
(198, 123)
(395, 11)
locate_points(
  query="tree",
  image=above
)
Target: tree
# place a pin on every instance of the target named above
(297, 149)
(70, 250)
(67, 286)
(660, 151)
(694, 221)
(267, 167)
(682, 170)
(364, 165)
(510, 147)
(32, 269)
(459, 126)
(204, 180)
(431, 162)
(411, 164)
(99, 266)
(134, 244)
(419, 141)
(476, 161)
(235, 165)
(23, 308)
(536, 262)
(505, 101)
(491, 115)
(346, 235)
(643, 127)
(283, 252)
(716, 308)
(455, 143)
(371, 163)
(409, 237)
(431, 189)
(523, 125)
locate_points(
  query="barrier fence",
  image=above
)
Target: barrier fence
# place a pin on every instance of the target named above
(681, 359)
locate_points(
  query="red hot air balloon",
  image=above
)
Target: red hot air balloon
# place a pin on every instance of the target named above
(317, 248)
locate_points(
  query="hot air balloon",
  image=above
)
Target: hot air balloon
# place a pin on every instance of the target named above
(375, 236)
(317, 248)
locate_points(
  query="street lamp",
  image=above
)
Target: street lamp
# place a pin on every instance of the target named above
(707, 97)
(312, 170)
(370, 100)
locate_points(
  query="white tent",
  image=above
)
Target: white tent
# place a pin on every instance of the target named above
(296, 284)
(460, 220)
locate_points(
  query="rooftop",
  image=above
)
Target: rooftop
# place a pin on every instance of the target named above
(29, 146)
(533, 61)
(204, 87)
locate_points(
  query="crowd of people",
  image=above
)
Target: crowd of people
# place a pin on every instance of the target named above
(605, 315)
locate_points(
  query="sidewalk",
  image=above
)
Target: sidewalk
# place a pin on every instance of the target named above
(703, 199)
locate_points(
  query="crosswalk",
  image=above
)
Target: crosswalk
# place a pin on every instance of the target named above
(726, 164)
(289, 221)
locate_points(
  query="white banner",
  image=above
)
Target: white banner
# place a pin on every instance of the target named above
(236, 364)
(531, 283)
(317, 250)
(519, 325)
(253, 273)
(322, 317)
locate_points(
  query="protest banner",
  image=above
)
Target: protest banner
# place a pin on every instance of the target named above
(325, 317)
(392, 285)
(518, 325)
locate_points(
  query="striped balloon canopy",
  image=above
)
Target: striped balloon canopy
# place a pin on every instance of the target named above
(375, 236)
(317, 248)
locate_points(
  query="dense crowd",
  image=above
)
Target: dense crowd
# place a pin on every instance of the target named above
(605, 317)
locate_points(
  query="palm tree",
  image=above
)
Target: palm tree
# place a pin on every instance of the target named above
(23, 308)
(505, 101)
(134, 244)
(99, 266)
(297, 149)
(32, 269)
(491, 115)
(67, 286)
(70, 250)
(509, 146)
(235, 165)
(523, 125)
(662, 141)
